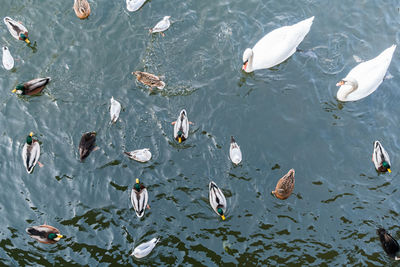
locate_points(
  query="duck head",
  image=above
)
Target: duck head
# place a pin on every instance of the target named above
(54, 237)
(386, 166)
(221, 213)
(180, 133)
(137, 185)
(19, 89)
(24, 38)
(29, 138)
(248, 60)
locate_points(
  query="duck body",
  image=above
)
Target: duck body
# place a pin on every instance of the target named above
(114, 110)
(44, 234)
(162, 25)
(389, 244)
(285, 185)
(380, 158)
(276, 46)
(17, 30)
(82, 8)
(217, 200)
(8, 60)
(141, 155)
(145, 248)
(87, 144)
(139, 198)
(133, 5)
(234, 152)
(365, 78)
(32, 87)
(181, 127)
(30, 153)
(149, 79)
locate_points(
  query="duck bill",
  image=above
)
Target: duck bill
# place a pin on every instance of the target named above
(27, 41)
(389, 170)
(179, 140)
(223, 217)
(14, 90)
(245, 65)
(60, 236)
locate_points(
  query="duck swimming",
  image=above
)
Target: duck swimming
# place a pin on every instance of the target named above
(17, 30)
(181, 127)
(82, 8)
(87, 145)
(31, 153)
(32, 87)
(285, 185)
(380, 158)
(139, 198)
(44, 234)
(217, 200)
(389, 244)
(149, 79)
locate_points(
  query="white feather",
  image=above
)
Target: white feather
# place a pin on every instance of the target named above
(8, 60)
(162, 25)
(114, 110)
(30, 155)
(182, 123)
(216, 197)
(144, 249)
(139, 201)
(133, 5)
(234, 152)
(141, 155)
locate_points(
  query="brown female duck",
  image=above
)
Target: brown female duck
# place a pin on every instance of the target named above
(285, 186)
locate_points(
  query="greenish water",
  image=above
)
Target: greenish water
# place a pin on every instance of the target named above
(285, 117)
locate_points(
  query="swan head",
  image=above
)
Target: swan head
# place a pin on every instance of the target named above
(247, 60)
(352, 85)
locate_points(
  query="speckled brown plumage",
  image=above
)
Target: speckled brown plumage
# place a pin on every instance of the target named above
(149, 79)
(285, 186)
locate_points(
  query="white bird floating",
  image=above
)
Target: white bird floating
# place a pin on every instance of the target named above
(276, 46)
(114, 110)
(141, 155)
(139, 198)
(234, 152)
(161, 26)
(365, 78)
(8, 60)
(217, 200)
(133, 5)
(144, 249)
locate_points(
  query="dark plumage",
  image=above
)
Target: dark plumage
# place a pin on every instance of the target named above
(389, 244)
(32, 87)
(87, 144)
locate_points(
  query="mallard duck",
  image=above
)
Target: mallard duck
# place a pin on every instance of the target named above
(8, 60)
(365, 78)
(217, 200)
(133, 5)
(285, 185)
(380, 158)
(389, 244)
(139, 198)
(181, 127)
(31, 153)
(44, 234)
(149, 79)
(82, 8)
(161, 26)
(32, 87)
(114, 110)
(87, 144)
(144, 249)
(17, 30)
(276, 46)
(234, 152)
(141, 155)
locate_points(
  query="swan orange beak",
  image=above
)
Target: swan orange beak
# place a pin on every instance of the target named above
(340, 83)
(245, 65)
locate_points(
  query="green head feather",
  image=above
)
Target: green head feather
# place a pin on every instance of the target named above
(220, 211)
(180, 133)
(23, 36)
(29, 140)
(137, 186)
(386, 165)
(20, 87)
(51, 236)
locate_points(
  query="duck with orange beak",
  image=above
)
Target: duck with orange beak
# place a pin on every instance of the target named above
(181, 127)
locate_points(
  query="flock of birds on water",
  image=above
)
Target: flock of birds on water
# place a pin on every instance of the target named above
(271, 50)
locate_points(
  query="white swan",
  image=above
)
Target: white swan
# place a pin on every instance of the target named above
(276, 46)
(365, 78)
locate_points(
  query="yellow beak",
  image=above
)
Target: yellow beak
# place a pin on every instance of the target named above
(180, 140)
(27, 41)
(223, 217)
(137, 180)
(14, 90)
(31, 134)
(60, 236)
(389, 170)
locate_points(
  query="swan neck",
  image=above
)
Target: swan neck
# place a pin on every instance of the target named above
(354, 86)
(250, 62)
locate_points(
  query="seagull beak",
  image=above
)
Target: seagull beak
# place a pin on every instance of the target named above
(389, 170)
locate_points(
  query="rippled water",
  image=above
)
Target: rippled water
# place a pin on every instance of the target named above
(285, 117)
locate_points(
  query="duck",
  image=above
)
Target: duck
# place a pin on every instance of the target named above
(133, 5)
(161, 26)
(181, 127)
(389, 244)
(149, 79)
(44, 233)
(276, 46)
(285, 185)
(365, 78)
(31, 87)
(141, 155)
(17, 30)
(82, 8)
(115, 109)
(145, 248)
(139, 198)
(31, 153)
(8, 60)
(380, 158)
(217, 200)
(87, 145)
(234, 152)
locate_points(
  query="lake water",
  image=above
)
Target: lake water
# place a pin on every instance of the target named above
(284, 117)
